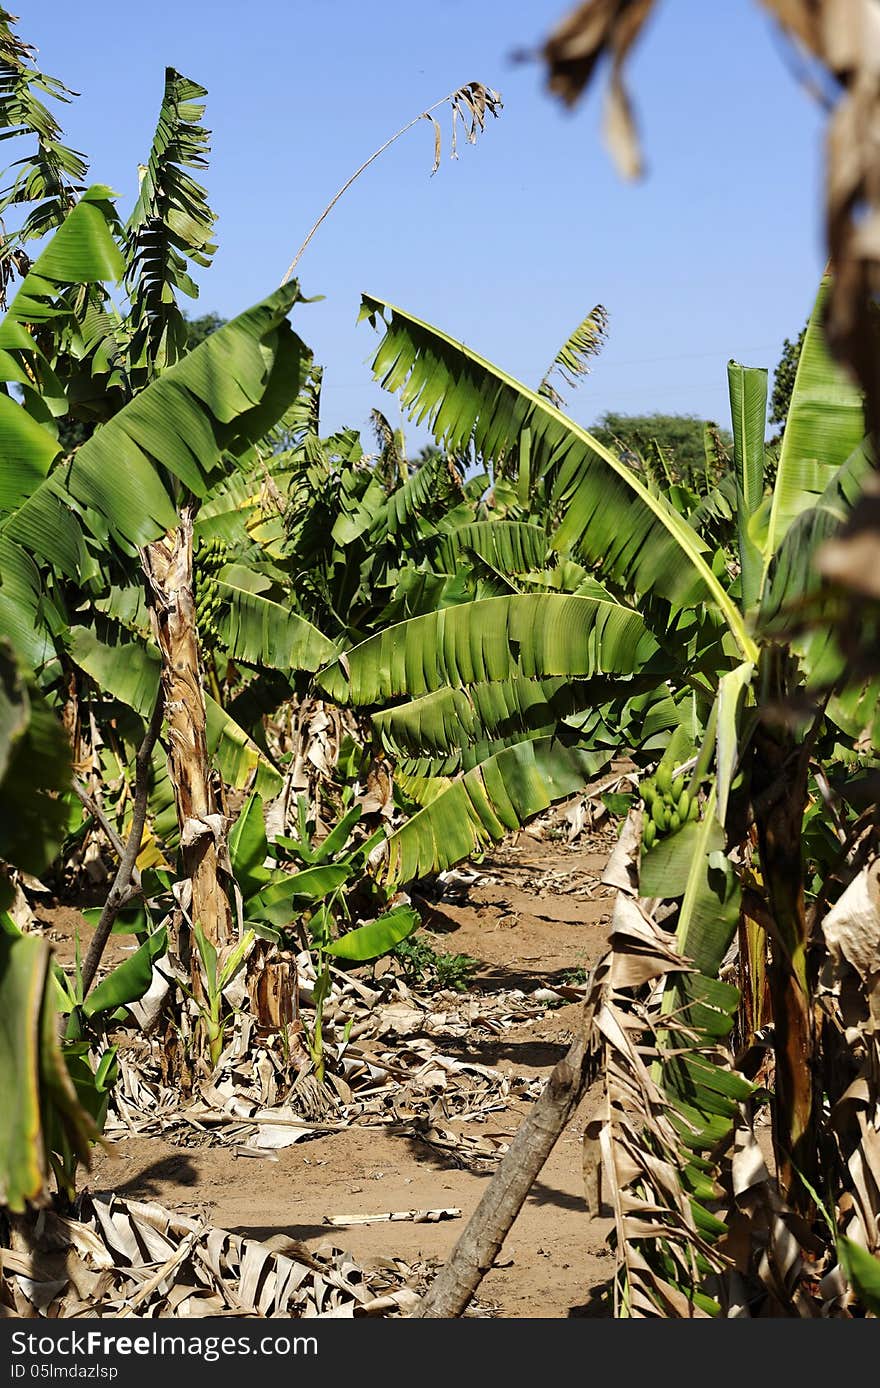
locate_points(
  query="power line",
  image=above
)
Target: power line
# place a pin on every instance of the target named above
(628, 361)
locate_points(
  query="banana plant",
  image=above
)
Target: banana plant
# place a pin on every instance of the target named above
(275, 900)
(310, 903)
(79, 533)
(217, 971)
(494, 706)
(487, 667)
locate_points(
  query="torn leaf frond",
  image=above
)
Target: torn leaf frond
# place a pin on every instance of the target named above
(572, 361)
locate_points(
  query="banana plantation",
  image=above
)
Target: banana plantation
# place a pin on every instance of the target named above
(280, 709)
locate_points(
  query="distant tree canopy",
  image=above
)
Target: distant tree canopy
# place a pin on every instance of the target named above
(686, 446)
(783, 379)
(197, 329)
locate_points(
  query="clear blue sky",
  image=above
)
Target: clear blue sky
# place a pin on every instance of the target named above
(717, 253)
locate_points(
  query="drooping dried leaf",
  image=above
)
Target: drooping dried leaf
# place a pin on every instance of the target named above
(852, 928)
(592, 31)
(469, 104)
(636, 1157)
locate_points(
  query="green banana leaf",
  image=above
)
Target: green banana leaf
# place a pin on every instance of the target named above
(826, 423)
(24, 613)
(664, 868)
(377, 937)
(449, 721)
(249, 847)
(132, 920)
(171, 223)
(862, 1271)
(261, 632)
(572, 361)
(706, 1094)
(220, 397)
(275, 903)
(337, 839)
(241, 763)
(489, 640)
(748, 408)
(130, 980)
(127, 668)
(513, 547)
(710, 907)
(34, 768)
(409, 500)
(711, 517)
(497, 796)
(793, 575)
(35, 1074)
(609, 515)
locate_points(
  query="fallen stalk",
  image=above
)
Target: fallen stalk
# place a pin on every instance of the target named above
(203, 1120)
(394, 1217)
(179, 1256)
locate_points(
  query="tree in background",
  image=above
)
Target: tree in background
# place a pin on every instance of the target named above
(783, 380)
(197, 329)
(677, 442)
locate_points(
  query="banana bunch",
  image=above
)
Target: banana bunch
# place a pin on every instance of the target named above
(668, 805)
(211, 555)
(209, 560)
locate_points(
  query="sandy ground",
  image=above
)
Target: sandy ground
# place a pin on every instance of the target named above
(537, 913)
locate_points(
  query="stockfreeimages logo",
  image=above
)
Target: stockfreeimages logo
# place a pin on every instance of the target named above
(92, 1343)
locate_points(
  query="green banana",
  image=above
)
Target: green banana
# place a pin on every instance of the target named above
(663, 777)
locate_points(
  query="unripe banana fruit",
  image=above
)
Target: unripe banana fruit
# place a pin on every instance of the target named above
(668, 805)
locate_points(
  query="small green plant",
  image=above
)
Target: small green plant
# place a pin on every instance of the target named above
(314, 899)
(573, 977)
(274, 898)
(422, 964)
(219, 968)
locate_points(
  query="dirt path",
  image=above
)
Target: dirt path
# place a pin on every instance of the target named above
(534, 917)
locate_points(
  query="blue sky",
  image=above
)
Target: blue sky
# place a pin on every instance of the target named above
(717, 253)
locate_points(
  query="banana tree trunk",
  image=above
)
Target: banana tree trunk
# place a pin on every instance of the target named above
(168, 566)
(779, 783)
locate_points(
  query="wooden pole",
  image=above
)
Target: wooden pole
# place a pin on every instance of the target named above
(489, 1225)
